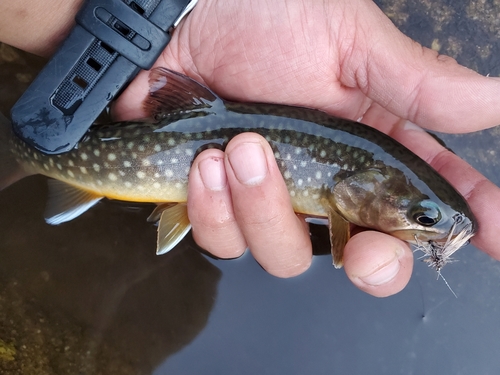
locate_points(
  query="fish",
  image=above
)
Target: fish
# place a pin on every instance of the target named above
(335, 169)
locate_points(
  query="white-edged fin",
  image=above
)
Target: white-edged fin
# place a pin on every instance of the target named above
(171, 92)
(339, 235)
(156, 214)
(67, 202)
(173, 227)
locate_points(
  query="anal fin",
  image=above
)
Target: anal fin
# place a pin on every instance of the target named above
(67, 202)
(339, 235)
(173, 226)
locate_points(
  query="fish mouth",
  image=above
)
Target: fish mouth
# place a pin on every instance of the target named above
(439, 252)
(437, 246)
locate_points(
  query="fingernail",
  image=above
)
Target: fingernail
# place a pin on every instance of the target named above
(249, 163)
(383, 275)
(408, 125)
(213, 174)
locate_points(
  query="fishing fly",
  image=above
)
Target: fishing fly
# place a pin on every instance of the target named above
(437, 255)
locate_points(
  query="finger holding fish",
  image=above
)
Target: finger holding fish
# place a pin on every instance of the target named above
(210, 208)
(378, 264)
(277, 237)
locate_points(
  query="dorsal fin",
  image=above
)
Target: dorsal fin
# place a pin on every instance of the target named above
(67, 202)
(172, 93)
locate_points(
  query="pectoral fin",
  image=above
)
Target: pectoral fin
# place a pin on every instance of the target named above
(173, 227)
(67, 202)
(339, 235)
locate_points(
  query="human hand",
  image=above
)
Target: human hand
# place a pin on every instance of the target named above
(345, 58)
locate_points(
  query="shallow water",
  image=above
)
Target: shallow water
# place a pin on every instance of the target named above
(90, 296)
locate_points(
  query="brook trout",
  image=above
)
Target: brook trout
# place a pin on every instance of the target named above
(334, 168)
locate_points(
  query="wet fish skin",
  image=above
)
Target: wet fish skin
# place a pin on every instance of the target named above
(334, 168)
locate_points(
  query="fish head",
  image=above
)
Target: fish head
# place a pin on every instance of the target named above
(387, 201)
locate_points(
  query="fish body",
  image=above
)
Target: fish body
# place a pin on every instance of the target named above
(333, 168)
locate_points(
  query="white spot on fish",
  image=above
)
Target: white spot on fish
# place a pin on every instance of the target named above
(292, 193)
(303, 163)
(159, 162)
(96, 167)
(146, 139)
(277, 155)
(83, 170)
(59, 166)
(287, 175)
(141, 148)
(121, 173)
(112, 177)
(99, 182)
(157, 148)
(111, 156)
(140, 174)
(322, 153)
(189, 152)
(178, 185)
(305, 193)
(128, 184)
(146, 163)
(70, 174)
(169, 173)
(70, 163)
(171, 142)
(174, 160)
(157, 185)
(141, 188)
(318, 175)
(127, 164)
(157, 175)
(84, 156)
(300, 182)
(97, 152)
(130, 145)
(46, 166)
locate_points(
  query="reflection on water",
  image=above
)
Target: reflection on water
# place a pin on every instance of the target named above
(90, 296)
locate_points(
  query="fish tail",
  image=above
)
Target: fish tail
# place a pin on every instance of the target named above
(10, 170)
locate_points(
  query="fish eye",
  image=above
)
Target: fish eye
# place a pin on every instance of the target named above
(426, 213)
